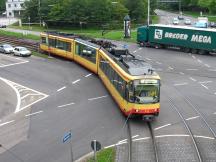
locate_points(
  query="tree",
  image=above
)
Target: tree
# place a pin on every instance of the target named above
(2, 6)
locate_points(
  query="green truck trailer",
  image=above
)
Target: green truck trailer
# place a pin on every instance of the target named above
(188, 39)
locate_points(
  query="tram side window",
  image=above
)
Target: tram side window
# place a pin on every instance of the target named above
(43, 40)
(52, 42)
(86, 52)
(63, 45)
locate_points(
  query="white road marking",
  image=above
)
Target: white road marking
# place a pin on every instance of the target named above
(214, 113)
(124, 140)
(215, 93)
(180, 84)
(171, 68)
(207, 65)
(181, 73)
(135, 136)
(199, 61)
(16, 91)
(90, 99)
(204, 86)
(135, 51)
(212, 69)
(74, 82)
(191, 69)
(203, 137)
(193, 57)
(205, 82)
(88, 75)
(140, 139)
(192, 118)
(2, 64)
(158, 62)
(66, 105)
(148, 59)
(36, 94)
(23, 61)
(162, 126)
(193, 79)
(61, 89)
(34, 113)
(140, 48)
(173, 135)
(2, 124)
(139, 56)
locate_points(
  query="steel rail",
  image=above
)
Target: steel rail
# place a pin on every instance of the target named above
(187, 127)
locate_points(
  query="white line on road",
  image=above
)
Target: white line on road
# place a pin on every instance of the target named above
(181, 73)
(203, 137)
(61, 89)
(199, 61)
(158, 62)
(212, 69)
(193, 79)
(90, 99)
(66, 105)
(140, 139)
(193, 57)
(208, 66)
(30, 94)
(139, 56)
(180, 84)
(74, 82)
(148, 59)
(215, 93)
(162, 126)
(140, 48)
(205, 82)
(135, 136)
(88, 75)
(2, 124)
(192, 118)
(204, 86)
(34, 113)
(171, 68)
(191, 69)
(214, 113)
(135, 51)
(173, 135)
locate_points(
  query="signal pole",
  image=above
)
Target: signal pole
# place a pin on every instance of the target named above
(148, 12)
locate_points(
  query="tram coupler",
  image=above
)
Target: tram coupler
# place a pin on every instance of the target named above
(148, 118)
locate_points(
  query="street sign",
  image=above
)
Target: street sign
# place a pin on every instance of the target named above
(95, 145)
(66, 137)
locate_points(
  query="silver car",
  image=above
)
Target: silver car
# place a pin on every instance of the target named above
(21, 51)
(6, 48)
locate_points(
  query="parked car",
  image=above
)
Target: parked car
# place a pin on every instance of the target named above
(21, 51)
(180, 17)
(175, 21)
(187, 22)
(6, 48)
(201, 25)
(212, 24)
(2, 26)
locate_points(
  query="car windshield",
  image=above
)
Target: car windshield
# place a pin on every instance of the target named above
(147, 92)
(7, 46)
(23, 49)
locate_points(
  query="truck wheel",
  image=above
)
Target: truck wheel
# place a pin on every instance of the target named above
(194, 51)
(157, 46)
(202, 52)
(186, 50)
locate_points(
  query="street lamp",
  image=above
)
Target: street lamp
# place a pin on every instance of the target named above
(29, 21)
(148, 12)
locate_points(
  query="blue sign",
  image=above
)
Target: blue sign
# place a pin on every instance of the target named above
(66, 137)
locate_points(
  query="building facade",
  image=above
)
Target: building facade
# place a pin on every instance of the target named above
(14, 7)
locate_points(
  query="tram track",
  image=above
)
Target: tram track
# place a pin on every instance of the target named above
(149, 145)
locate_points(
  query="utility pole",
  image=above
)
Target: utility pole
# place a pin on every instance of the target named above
(148, 12)
(39, 10)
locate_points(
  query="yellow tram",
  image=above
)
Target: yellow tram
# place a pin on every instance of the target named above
(131, 82)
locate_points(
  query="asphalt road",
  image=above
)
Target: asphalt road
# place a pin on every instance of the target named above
(62, 96)
(167, 17)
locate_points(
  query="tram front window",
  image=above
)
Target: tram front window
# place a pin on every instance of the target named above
(146, 92)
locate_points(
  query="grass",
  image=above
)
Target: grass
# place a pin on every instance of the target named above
(19, 35)
(197, 14)
(106, 155)
(40, 55)
(94, 33)
(155, 19)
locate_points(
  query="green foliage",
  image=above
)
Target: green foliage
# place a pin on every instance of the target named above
(2, 6)
(106, 155)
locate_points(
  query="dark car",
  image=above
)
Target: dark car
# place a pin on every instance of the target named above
(2, 26)
(212, 24)
(180, 17)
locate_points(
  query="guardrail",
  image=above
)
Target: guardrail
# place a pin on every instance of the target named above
(30, 44)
